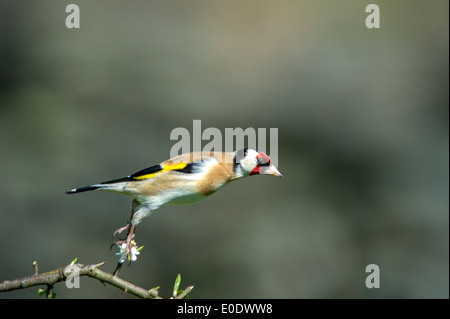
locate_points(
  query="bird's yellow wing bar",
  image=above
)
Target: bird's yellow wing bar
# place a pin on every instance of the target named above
(153, 172)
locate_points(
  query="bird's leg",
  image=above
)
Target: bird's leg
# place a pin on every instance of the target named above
(128, 247)
(130, 237)
(127, 226)
(131, 228)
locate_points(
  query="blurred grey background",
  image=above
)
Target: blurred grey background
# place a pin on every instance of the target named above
(363, 143)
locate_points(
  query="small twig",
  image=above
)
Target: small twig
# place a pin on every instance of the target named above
(117, 270)
(36, 268)
(50, 294)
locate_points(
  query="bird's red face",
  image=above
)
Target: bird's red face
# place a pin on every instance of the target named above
(264, 166)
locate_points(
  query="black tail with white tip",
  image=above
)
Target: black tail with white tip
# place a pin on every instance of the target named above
(83, 189)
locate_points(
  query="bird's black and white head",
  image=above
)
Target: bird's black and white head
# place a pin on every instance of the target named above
(251, 162)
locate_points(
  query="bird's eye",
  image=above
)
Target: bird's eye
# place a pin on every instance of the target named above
(263, 162)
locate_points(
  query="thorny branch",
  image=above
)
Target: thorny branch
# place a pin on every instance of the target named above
(62, 274)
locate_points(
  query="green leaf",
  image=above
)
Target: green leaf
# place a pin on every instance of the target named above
(42, 292)
(74, 261)
(177, 285)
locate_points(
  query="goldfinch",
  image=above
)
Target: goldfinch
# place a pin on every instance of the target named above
(186, 178)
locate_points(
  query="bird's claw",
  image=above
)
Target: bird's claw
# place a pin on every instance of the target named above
(121, 229)
(128, 247)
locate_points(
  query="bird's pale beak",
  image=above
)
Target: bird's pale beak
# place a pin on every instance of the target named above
(271, 170)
